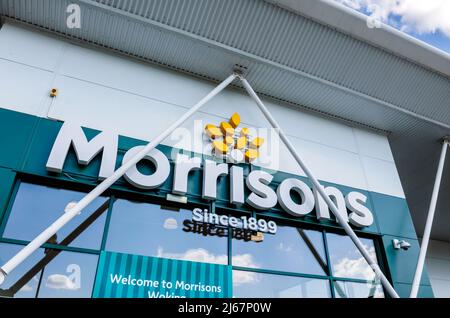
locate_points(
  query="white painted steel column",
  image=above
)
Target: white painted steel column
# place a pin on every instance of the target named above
(104, 185)
(429, 223)
(322, 193)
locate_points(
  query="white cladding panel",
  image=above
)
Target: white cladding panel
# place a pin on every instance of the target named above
(29, 47)
(110, 92)
(382, 174)
(23, 88)
(373, 145)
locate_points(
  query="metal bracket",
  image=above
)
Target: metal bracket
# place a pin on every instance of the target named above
(445, 140)
(240, 70)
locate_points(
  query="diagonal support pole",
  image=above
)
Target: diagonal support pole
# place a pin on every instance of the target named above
(52, 253)
(429, 222)
(387, 285)
(104, 185)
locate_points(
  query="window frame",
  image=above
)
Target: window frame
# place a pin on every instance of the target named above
(324, 230)
(85, 185)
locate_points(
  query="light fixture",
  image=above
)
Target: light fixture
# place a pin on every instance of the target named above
(53, 92)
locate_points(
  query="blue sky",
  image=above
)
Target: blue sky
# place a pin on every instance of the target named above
(437, 39)
(426, 20)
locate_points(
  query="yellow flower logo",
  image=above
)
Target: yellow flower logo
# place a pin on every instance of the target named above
(229, 141)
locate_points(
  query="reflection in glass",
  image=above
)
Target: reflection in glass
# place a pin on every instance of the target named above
(254, 285)
(358, 290)
(346, 260)
(69, 275)
(36, 207)
(148, 229)
(64, 274)
(290, 249)
(11, 287)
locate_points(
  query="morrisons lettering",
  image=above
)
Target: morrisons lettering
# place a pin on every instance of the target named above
(262, 196)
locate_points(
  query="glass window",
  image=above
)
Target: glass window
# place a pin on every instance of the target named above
(344, 289)
(248, 284)
(36, 207)
(152, 230)
(69, 275)
(49, 273)
(346, 260)
(20, 283)
(290, 249)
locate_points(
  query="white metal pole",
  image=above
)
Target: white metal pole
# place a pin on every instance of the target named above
(322, 193)
(104, 185)
(429, 223)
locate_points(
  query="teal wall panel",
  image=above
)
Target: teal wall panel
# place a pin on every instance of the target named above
(47, 130)
(16, 131)
(401, 263)
(7, 178)
(393, 215)
(277, 211)
(374, 228)
(403, 290)
(26, 141)
(39, 149)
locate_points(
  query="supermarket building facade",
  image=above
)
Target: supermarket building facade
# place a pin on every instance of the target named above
(76, 103)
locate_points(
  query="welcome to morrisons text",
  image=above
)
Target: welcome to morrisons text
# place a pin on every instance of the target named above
(171, 289)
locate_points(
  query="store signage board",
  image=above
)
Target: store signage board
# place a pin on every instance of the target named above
(351, 206)
(134, 276)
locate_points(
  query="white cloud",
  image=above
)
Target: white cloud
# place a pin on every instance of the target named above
(58, 281)
(195, 254)
(284, 248)
(26, 288)
(244, 260)
(420, 16)
(355, 267)
(170, 224)
(202, 255)
(244, 277)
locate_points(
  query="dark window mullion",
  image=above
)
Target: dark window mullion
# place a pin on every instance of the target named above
(52, 246)
(281, 273)
(38, 288)
(112, 199)
(328, 260)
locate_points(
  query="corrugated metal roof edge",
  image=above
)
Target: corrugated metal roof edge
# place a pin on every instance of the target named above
(354, 23)
(87, 43)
